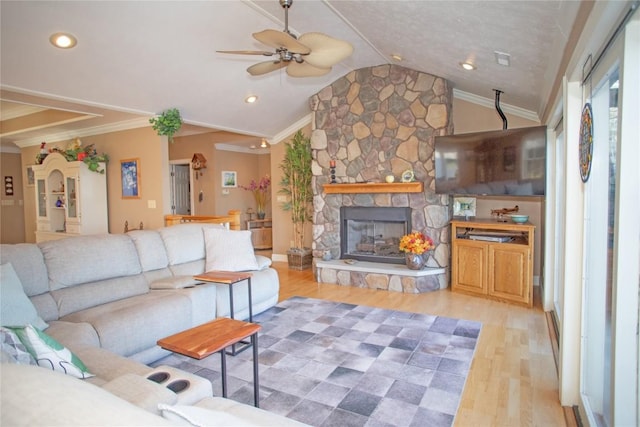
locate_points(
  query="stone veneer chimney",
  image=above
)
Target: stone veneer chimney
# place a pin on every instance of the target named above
(374, 122)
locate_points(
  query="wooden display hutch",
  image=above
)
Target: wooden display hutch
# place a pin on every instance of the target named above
(493, 259)
(70, 199)
(260, 233)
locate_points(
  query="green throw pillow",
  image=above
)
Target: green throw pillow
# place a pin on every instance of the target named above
(49, 353)
(16, 309)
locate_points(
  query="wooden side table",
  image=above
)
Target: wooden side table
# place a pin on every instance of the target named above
(230, 278)
(215, 337)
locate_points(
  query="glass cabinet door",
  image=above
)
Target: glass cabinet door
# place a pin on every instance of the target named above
(72, 201)
(42, 198)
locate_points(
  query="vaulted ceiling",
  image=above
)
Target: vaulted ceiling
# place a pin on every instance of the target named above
(135, 59)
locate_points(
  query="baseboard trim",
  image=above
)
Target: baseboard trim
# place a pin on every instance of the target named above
(279, 257)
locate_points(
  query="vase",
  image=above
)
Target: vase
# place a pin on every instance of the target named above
(415, 261)
(261, 215)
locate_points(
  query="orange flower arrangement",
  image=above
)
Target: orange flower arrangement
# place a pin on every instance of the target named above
(416, 243)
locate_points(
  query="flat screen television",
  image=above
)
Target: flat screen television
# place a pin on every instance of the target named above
(508, 162)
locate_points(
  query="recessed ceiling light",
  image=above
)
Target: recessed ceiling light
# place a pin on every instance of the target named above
(468, 66)
(63, 40)
(396, 57)
(502, 58)
(251, 99)
(263, 144)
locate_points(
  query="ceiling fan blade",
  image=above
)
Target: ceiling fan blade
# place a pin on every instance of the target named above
(265, 67)
(279, 39)
(325, 50)
(295, 69)
(247, 52)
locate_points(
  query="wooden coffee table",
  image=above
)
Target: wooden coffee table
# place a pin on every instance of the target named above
(230, 278)
(215, 337)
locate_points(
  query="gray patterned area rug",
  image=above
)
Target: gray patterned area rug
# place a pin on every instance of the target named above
(334, 364)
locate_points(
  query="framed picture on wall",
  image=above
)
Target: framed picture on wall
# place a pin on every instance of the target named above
(229, 179)
(31, 178)
(130, 176)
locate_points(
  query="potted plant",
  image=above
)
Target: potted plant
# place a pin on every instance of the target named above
(167, 123)
(296, 184)
(260, 192)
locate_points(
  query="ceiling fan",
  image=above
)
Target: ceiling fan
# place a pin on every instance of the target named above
(310, 55)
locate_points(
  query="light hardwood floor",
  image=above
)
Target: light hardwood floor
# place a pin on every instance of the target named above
(513, 380)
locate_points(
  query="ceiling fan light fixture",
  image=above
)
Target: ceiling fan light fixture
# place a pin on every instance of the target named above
(468, 66)
(63, 40)
(251, 99)
(310, 55)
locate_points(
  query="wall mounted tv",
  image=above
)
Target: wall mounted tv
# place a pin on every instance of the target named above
(508, 162)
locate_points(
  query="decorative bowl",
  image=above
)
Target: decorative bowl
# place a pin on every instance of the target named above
(520, 219)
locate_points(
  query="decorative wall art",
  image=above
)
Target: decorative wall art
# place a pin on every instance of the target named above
(586, 142)
(229, 179)
(464, 207)
(31, 177)
(130, 175)
(8, 186)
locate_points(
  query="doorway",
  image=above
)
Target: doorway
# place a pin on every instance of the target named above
(181, 184)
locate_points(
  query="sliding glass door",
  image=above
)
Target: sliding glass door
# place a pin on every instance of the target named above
(600, 192)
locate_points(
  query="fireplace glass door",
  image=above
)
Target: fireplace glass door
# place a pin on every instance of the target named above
(373, 234)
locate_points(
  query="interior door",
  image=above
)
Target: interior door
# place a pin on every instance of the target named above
(181, 185)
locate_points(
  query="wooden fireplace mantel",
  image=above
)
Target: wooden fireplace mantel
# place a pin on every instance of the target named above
(374, 187)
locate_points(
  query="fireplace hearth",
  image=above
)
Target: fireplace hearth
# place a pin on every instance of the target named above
(373, 233)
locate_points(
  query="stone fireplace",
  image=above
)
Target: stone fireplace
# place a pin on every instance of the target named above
(373, 233)
(372, 123)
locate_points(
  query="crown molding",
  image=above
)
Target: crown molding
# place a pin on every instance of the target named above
(490, 103)
(285, 133)
(81, 133)
(238, 149)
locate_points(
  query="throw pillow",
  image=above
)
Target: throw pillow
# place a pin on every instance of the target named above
(13, 348)
(16, 309)
(49, 353)
(229, 250)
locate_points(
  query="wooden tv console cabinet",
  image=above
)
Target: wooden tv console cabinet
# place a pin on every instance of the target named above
(493, 259)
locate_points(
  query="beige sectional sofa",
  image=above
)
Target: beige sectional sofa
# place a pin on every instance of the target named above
(109, 298)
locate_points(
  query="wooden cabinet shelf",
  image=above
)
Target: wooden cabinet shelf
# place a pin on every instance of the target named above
(493, 259)
(374, 187)
(261, 235)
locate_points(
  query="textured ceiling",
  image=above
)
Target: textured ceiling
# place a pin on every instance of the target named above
(136, 59)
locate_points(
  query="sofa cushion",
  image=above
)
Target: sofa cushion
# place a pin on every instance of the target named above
(229, 250)
(150, 247)
(81, 297)
(50, 354)
(32, 396)
(87, 259)
(15, 308)
(74, 335)
(134, 324)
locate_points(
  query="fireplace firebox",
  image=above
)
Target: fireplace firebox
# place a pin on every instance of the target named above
(373, 233)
